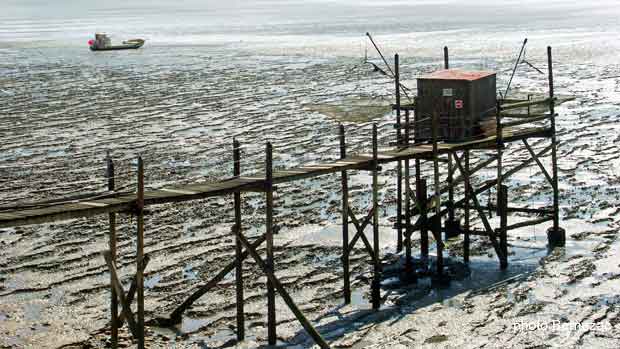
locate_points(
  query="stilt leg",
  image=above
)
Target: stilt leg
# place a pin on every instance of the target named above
(466, 224)
(376, 282)
(271, 297)
(555, 235)
(112, 226)
(140, 253)
(238, 246)
(345, 221)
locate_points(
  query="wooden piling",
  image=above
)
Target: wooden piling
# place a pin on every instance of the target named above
(376, 281)
(420, 185)
(238, 245)
(437, 197)
(114, 321)
(466, 223)
(140, 253)
(399, 164)
(408, 232)
(345, 220)
(503, 231)
(451, 223)
(422, 198)
(271, 297)
(556, 235)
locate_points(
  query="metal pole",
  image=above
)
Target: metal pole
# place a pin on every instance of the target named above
(112, 230)
(399, 165)
(345, 220)
(140, 253)
(446, 63)
(271, 297)
(376, 282)
(238, 245)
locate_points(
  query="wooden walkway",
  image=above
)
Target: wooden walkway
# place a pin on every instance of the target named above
(37, 213)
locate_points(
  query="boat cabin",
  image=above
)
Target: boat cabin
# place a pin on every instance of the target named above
(102, 41)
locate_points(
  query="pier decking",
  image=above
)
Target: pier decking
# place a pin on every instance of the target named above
(38, 213)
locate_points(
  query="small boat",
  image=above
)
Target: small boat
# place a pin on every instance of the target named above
(102, 43)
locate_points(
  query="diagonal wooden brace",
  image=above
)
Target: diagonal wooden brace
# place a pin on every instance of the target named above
(120, 293)
(483, 217)
(360, 230)
(132, 289)
(175, 316)
(535, 157)
(285, 296)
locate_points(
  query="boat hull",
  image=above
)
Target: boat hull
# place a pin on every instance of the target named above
(128, 46)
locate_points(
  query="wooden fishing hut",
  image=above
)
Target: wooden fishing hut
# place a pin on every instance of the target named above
(420, 208)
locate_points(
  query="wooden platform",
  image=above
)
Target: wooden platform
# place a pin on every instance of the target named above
(37, 213)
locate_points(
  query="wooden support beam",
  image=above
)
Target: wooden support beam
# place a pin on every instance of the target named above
(271, 296)
(176, 315)
(376, 280)
(540, 165)
(345, 221)
(114, 321)
(126, 306)
(511, 209)
(525, 104)
(529, 223)
(525, 121)
(238, 246)
(285, 296)
(140, 253)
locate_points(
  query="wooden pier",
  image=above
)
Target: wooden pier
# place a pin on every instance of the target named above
(417, 211)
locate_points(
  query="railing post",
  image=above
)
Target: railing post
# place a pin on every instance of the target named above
(271, 298)
(345, 220)
(238, 245)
